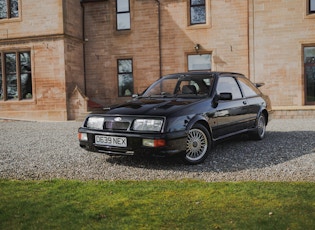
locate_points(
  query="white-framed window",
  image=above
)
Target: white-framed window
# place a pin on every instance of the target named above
(199, 62)
(123, 14)
(125, 77)
(9, 9)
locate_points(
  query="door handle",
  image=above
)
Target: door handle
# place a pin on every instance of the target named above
(244, 102)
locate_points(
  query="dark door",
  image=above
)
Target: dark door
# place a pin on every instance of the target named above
(230, 115)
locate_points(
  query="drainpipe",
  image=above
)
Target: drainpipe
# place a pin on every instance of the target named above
(83, 39)
(248, 41)
(159, 34)
(254, 42)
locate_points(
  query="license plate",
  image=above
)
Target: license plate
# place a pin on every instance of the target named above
(111, 141)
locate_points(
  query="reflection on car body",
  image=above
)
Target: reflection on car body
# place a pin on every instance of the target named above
(182, 113)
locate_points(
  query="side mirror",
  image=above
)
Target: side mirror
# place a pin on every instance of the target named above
(222, 97)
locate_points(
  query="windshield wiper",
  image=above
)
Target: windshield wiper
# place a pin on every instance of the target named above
(162, 95)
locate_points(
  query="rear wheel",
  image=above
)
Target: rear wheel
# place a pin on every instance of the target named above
(260, 130)
(198, 144)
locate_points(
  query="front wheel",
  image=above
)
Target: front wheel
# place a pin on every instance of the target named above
(198, 144)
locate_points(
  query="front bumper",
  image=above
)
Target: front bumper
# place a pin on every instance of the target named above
(172, 143)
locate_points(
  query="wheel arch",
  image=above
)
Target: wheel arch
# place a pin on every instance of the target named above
(200, 120)
(265, 113)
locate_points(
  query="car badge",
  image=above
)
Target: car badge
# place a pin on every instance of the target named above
(117, 119)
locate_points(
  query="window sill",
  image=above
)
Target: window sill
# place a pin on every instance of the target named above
(309, 16)
(16, 101)
(198, 26)
(122, 32)
(9, 20)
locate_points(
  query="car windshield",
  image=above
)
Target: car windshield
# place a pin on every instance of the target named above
(181, 86)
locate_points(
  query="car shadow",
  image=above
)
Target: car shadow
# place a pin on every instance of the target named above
(235, 154)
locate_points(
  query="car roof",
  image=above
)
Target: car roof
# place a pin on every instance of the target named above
(214, 73)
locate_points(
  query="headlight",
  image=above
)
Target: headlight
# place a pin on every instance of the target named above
(95, 122)
(148, 125)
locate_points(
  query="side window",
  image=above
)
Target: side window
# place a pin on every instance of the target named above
(311, 8)
(123, 14)
(9, 9)
(248, 88)
(125, 77)
(229, 85)
(197, 12)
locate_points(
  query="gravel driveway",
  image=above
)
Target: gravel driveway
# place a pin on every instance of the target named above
(47, 150)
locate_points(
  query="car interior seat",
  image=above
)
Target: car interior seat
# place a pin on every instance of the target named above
(189, 89)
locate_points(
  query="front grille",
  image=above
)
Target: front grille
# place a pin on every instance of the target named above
(114, 125)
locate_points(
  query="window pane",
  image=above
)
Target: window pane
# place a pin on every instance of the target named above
(3, 9)
(312, 5)
(199, 62)
(197, 2)
(11, 78)
(198, 15)
(26, 75)
(249, 89)
(125, 66)
(123, 21)
(10, 63)
(309, 68)
(125, 82)
(14, 8)
(122, 5)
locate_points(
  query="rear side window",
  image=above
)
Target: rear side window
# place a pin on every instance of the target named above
(248, 88)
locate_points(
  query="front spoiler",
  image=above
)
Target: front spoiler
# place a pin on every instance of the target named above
(175, 144)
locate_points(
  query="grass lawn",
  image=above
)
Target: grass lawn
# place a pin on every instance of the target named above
(186, 204)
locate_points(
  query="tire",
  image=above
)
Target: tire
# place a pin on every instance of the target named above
(198, 145)
(260, 129)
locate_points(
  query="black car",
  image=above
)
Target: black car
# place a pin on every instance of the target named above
(182, 113)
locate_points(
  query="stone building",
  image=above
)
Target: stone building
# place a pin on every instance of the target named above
(41, 58)
(60, 59)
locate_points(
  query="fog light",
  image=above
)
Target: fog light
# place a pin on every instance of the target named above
(82, 136)
(153, 142)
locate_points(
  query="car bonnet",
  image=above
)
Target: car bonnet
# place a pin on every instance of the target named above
(154, 107)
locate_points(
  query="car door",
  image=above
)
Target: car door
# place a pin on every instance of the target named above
(230, 114)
